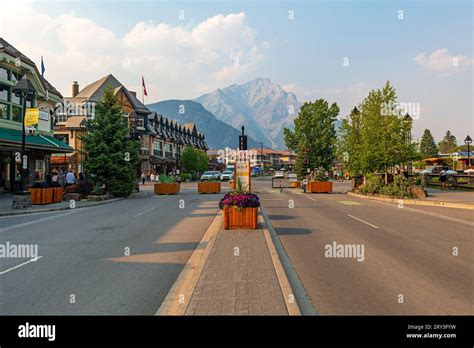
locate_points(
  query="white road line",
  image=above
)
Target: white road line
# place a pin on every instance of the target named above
(449, 218)
(144, 212)
(21, 264)
(365, 222)
(23, 224)
(310, 198)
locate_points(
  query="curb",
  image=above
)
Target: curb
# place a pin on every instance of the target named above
(292, 285)
(287, 292)
(416, 202)
(177, 300)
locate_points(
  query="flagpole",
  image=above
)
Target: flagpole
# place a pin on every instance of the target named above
(143, 91)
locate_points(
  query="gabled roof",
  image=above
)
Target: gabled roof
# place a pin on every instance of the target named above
(76, 122)
(95, 91)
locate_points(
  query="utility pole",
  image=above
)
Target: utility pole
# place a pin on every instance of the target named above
(261, 155)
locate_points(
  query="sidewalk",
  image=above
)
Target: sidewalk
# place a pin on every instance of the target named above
(6, 206)
(440, 198)
(238, 285)
(233, 272)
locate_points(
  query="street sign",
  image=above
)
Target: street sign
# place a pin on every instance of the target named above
(242, 173)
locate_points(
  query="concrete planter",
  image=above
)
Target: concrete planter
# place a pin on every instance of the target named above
(209, 187)
(244, 218)
(166, 188)
(320, 186)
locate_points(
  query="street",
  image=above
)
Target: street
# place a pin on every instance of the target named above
(83, 267)
(408, 252)
(124, 257)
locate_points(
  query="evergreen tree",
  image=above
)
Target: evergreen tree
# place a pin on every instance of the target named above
(314, 136)
(448, 144)
(110, 156)
(428, 146)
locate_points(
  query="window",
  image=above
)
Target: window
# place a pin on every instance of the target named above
(16, 113)
(3, 74)
(4, 111)
(157, 149)
(16, 99)
(62, 117)
(62, 137)
(4, 92)
(40, 170)
(140, 123)
(168, 151)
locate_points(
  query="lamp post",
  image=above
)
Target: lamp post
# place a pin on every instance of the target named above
(468, 142)
(23, 89)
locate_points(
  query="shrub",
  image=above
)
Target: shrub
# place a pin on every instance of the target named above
(164, 178)
(373, 185)
(185, 176)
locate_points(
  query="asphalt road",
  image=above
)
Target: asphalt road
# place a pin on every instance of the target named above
(83, 268)
(407, 251)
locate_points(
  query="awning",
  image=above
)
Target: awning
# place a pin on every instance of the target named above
(38, 141)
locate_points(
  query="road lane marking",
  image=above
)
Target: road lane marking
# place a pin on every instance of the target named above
(23, 224)
(350, 203)
(144, 212)
(365, 222)
(21, 264)
(310, 198)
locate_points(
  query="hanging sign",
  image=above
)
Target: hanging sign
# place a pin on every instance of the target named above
(31, 117)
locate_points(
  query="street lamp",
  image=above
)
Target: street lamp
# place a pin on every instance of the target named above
(468, 142)
(24, 89)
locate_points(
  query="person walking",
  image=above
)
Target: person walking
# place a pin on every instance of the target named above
(143, 178)
(152, 177)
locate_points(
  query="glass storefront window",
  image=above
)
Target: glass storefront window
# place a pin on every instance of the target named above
(16, 113)
(4, 111)
(4, 92)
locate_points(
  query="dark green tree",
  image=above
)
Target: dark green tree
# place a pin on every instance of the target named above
(428, 146)
(110, 155)
(314, 136)
(448, 144)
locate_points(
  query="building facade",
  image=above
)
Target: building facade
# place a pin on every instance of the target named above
(161, 140)
(40, 143)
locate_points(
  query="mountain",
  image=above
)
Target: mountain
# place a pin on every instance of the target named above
(218, 134)
(260, 105)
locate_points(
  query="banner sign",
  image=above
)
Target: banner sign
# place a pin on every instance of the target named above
(242, 173)
(31, 117)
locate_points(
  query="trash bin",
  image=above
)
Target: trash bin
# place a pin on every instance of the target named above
(41, 193)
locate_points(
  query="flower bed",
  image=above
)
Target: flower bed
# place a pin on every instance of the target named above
(240, 210)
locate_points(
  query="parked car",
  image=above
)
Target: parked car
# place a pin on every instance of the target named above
(227, 175)
(218, 174)
(292, 177)
(209, 175)
(279, 174)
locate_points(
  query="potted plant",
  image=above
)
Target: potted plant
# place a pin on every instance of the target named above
(320, 184)
(210, 186)
(166, 186)
(239, 209)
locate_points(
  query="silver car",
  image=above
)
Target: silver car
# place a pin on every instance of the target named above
(209, 175)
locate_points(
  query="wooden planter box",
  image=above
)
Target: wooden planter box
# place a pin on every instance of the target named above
(57, 194)
(209, 187)
(320, 186)
(245, 218)
(166, 188)
(41, 196)
(295, 184)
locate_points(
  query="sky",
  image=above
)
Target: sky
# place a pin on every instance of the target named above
(336, 50)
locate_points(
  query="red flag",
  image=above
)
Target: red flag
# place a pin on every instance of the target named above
(144, 87)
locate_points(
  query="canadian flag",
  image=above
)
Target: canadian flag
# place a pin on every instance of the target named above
(144, 87)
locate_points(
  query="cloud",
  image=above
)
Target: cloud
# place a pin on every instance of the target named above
(444, 64)
(175, 60)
